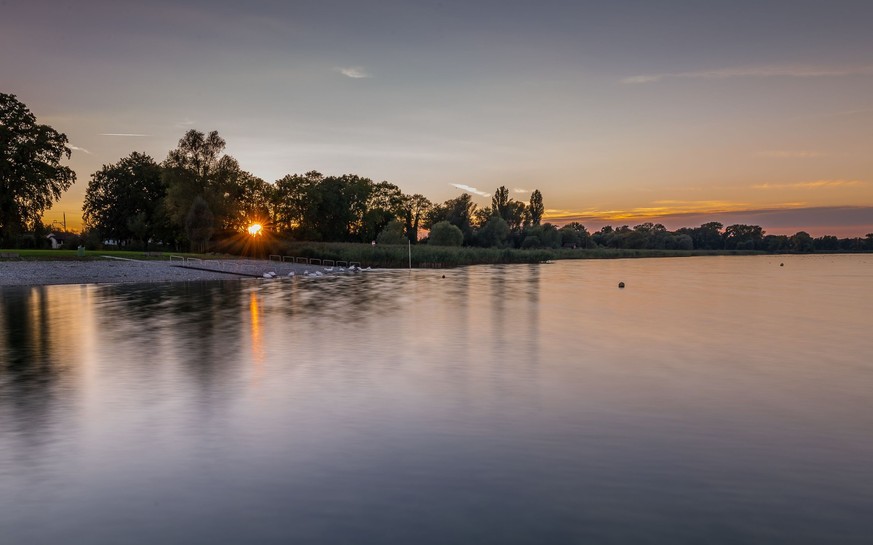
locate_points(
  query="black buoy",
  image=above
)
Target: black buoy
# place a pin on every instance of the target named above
(621, 284)
(782, 264)
(444, 276)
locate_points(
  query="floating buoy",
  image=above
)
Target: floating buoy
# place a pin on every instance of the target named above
(782, 264)
(444, 276)
(621, 284)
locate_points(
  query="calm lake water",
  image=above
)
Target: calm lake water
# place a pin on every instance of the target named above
(713, 400)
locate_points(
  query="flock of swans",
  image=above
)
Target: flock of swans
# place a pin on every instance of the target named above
(306, 272)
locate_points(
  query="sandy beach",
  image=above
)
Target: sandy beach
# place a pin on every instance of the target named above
(114, 271)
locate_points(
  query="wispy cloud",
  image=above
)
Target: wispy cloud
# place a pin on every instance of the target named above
(354, 72)
(124, 134)
(77, 148)
(784, 218)
(470, 189)
(520, 190)
(790, 154)
(658, 209)
(790, 71)
(817, 184)
(187, 122)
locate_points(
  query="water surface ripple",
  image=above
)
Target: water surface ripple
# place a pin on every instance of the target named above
(713, 400)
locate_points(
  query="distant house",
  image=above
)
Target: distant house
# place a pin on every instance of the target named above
(57, 240)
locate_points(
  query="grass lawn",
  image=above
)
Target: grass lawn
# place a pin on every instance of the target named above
(392, 256)
(62, 255)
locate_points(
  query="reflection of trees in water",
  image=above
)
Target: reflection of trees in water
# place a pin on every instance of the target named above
(513, 303)
(531, 319)
(349, 297)
(197, 324)
(30, 371)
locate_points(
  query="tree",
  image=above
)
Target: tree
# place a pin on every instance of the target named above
(290, 200)
(801, 242)
(743, 237)
(31, 176)
(459, 211)
(444, 233)
(199, 224)
(392, 234)
(415, 210)
(384, 205)
(336, 208)
(536, 208)
(122, 200)
(197, 168)
(248, 201)
(494, 233)
(545, 235)
(500, 202)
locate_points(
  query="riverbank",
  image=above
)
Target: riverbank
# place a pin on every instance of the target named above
(115, 271)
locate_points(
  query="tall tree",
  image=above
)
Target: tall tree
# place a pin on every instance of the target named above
(536, 208)
(459, 211)
(198, 168)
(384, 205)
(31, 176)
(415, 209)
(123, 200)
(500, 202)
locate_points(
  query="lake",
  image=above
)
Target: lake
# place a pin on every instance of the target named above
(712, 400)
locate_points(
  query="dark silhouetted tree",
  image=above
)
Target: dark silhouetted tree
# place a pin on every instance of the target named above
(199, 224)
(31, 176)
(123, 200)
(415, 209)
(536, 208)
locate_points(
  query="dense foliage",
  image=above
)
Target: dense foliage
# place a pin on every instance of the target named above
(31, 176)
(200, 199)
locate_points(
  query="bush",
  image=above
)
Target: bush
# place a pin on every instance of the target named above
(392, 234)
(444, 233)
(531, 241)
(92, 240)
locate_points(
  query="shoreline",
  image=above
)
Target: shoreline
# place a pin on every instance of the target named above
(45, 272)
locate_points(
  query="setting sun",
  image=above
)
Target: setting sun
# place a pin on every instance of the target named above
(255, 229)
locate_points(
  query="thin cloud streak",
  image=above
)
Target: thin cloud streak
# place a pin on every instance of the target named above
(661, 208)
(77, 148)
(123, 134)
(796, 71)
(818, 184)
(520, 190)
(470, 189)
(844, 221)
(354, 72)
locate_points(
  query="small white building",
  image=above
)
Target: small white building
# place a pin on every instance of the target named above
(56, 242)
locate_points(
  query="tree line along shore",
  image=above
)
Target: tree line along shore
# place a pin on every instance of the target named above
(199, 199)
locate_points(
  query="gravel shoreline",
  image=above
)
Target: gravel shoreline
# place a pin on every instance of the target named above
(114, 271)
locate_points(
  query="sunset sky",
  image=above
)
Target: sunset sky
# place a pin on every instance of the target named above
(678, 112)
